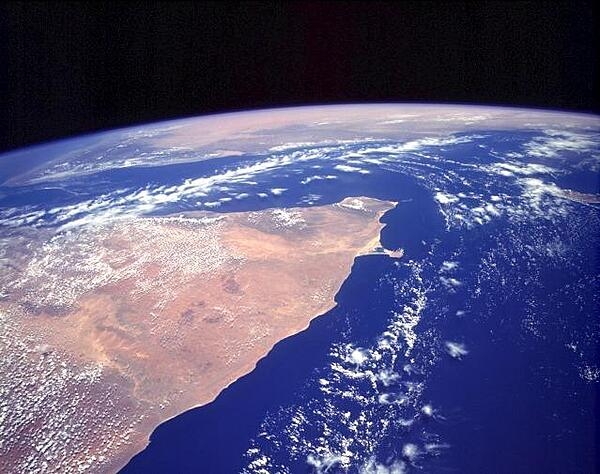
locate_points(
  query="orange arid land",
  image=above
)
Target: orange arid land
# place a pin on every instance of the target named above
(108, 330)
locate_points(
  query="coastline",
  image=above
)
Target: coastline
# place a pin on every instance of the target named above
(368, 249)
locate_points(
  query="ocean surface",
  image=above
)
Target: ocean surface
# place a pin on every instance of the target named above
(477, 352)
(510, 401)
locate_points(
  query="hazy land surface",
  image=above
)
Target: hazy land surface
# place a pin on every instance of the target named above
(109, 330)
(120, 320)
(253, 132)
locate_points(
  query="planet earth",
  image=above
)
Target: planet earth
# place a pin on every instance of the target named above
(366, 288)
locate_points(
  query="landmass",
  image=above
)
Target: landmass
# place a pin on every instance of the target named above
(583, 198)
(250, 132)
(109, 330)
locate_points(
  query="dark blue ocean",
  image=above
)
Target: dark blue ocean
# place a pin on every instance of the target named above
(515, 403)
(519, 294)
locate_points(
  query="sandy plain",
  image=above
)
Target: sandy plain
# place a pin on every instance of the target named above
(107, 332)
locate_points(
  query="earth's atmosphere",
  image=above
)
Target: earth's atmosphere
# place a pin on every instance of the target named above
(445, 256)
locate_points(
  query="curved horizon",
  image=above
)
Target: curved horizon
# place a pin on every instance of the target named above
(312, 105)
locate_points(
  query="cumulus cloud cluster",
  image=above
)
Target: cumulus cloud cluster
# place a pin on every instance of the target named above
(456, 350)
(343, 156)
(554, 143)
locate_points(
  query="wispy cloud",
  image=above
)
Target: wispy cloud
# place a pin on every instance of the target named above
(310, 179)
(553, 142)
(142, 201)
(351, 169)
(456, 350)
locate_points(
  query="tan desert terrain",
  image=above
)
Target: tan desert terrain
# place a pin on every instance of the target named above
(109, 330)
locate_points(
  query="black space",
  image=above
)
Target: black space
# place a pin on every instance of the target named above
(70, 68)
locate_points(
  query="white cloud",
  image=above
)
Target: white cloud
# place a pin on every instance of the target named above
(142, 201)
(524, 169)
(291, 146)
(410, 452)
(351, 169)
(310, 198)
(391, 122)
(450, 283)
(13, 218)
(534, 191)
(434, 142)
(448, 266)
(323, 464)
(556, 141)
(445, 198)
(466, 118)
(388, 377)
(309, 179)
(418, 144)
(287, 218)
(589, 373)
(392, 398)
(436, 448)
(373, 467)
(456, 350)
(358, 356)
